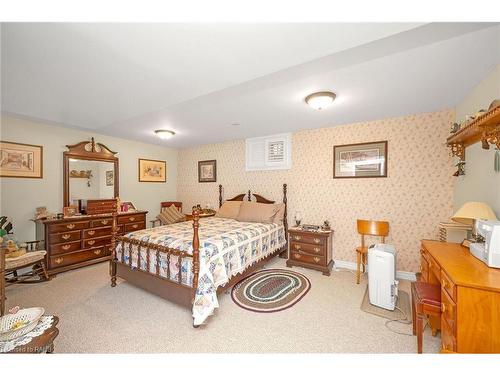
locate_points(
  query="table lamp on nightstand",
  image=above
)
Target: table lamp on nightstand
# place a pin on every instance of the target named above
(469, 213)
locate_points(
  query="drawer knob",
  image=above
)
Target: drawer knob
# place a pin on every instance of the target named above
(316, 259)
(317, 240)
(70, 226)
(131, 218)
(91, 242)
(66, 236)
(317, 249)
(296, 256)
(104, 222)
(443, 307)
(135, 226)
(297, 247)
(97, 252)
(297, 238)
(59, 260)
(445, 284)
(91, 232)
(66, 247)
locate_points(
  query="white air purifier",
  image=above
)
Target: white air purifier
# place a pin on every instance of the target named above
(382, 283)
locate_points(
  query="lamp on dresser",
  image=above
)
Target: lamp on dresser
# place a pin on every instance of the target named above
(470, 212)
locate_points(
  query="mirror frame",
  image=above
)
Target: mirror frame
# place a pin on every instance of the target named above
(88, 151)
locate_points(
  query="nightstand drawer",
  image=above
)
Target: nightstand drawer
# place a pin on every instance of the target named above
(309, 238)
(306, 258)
(308, 248)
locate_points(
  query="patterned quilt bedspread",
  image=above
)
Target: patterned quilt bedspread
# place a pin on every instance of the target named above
(227, 248)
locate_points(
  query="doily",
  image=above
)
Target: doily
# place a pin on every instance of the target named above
(44, 324)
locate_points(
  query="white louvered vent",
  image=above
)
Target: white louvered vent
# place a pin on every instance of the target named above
(272, 152)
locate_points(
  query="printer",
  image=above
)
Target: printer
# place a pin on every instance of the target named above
(489, 250)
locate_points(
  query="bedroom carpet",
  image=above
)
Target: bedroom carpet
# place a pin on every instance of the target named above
(95, 318)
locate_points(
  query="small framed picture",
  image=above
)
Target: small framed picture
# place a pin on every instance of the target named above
(207, 171)
(127, 206)
(21, 160)
(110, 178)
(152, 170)
(360, 160)
(70, 210)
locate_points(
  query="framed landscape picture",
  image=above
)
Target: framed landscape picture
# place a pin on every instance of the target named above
(207, 171)
(152, 170)
(360, 160)
(110, 178)
(21, 160)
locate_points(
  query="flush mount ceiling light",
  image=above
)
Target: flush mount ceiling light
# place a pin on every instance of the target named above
(164, 134)
(320, 100)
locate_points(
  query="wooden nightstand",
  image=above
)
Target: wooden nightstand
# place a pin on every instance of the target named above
(310, 249)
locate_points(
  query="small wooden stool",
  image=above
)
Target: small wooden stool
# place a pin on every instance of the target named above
(426, 300)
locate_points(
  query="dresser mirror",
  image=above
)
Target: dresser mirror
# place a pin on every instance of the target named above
(90, 173)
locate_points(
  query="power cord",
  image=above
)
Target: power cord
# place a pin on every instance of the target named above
(402, 321)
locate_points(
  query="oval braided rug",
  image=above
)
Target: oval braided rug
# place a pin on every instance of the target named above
(270, 290)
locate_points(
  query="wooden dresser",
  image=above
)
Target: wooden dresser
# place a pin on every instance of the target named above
(83, 240)
(310, 250)
(470, 297)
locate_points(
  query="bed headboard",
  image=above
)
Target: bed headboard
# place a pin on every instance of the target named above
(260, 199)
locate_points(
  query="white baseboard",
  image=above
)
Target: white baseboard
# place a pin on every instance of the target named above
(402, 275)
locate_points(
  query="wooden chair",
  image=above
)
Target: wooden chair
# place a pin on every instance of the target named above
(164, 206)
(426, 300)
(368, 228)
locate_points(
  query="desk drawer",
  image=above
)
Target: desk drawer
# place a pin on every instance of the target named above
(130, 218)
(64, 237)
(104, 222)
(74, 225)
(308, 248)
(97, 232)
(448, 311)
(434, 269)
(424, 269)
(134, 226)
(309, 259)
(65, 247)
(80, 256)
(448, 339)
(308, 238)
(448, 286)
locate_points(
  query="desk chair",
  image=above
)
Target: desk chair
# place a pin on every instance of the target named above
(163, 207)
(426, 300)
(368, 228)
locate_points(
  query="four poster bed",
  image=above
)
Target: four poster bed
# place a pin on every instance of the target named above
(190, 263)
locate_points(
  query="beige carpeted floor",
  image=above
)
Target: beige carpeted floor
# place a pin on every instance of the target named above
(95, 318)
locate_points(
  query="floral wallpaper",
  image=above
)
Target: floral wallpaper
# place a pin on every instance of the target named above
(414, 198)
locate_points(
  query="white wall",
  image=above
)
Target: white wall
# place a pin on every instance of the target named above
(20, 196)
(481, 182)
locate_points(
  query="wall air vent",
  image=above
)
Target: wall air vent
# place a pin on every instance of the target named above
(268, 153)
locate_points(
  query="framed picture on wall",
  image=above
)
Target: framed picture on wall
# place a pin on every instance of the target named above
(207, 171)
(360, 160)
(110, 178)
(152, 170)
(21, 160)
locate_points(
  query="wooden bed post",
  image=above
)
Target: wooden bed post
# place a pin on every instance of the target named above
(220, 195)
(196, 253)
(114, 259)
(249, 195)
(285, 222)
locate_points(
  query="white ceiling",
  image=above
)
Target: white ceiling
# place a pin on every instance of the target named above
(197, 79)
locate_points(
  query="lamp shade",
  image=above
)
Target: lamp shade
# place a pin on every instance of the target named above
(471, 211)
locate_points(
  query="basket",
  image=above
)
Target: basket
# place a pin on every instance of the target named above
(31, 316)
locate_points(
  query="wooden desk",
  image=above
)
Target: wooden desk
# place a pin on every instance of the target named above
(470, 298)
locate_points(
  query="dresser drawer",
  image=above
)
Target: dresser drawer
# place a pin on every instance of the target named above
(308, 238)
(448, 311)
(134, 226)
(307, 258)
(65, 247)
(81, 256)
(448, 286)
(448, 339)
(97, 232)
(74, 225)
(64, 237)
(104, 222)
(308, 248)
(96, 242)
(130, 218)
